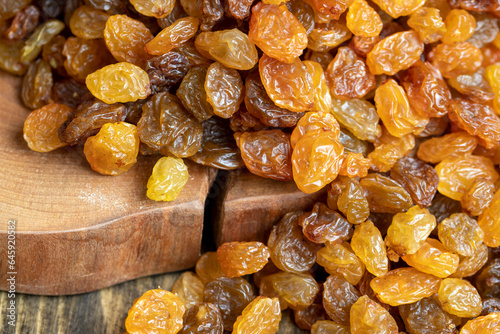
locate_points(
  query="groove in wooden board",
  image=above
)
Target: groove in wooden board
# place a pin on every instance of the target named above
(249, 206)
(77, 230)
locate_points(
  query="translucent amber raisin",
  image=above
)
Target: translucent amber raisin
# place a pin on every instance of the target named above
(459, 297)
(404, 286)
(427, 317)
(224, 89)
(396, 8)
(37, 85)
(172, 36)
(329, 327)
(323, 224)
(232, 48)
(478, 120)
(306, 318)
(363, 45)
(460, 234)
(89, 23)
(395, 53)
(192, 7)
(367, 316)
(460, 26)
(208, 267)
(322, 97)
(492, 75)
(267, 153)
(218, 148)
(409, 230)
(313, 121)
(202, 318)
(348, 76)
(277, 32)
(10, 8)
(419, 179)
(242, 258)
(330, 9)
(326, 36)
(457, 174)
(358, 116)
(368, 245)
(340, 259)
(10, 54)
(114, 149)
(436, 149)
(351, 143)
(290, 86)
(240, 9)
(322, 58)
(474, 86)
(167, 180)
(212, 13)
(260, 105)
(303, 12)
(290, 250)
(389, 149)
(126, 38)
(363, 20)
(167, 127)
(488, 324)
(338, 297)
(193, 94)
(88, 117)
(189, 289)
(470, 265)
(427, 91)
(156, 310)
(261, 316)
(231, 296)
(347, 195)
(455, 59)
(316, 160)
(156, 8)
(433, 258)
(428, 23)
(489, 221)
(286, 285)
(354, 165)
(84, 56)
(121, 82)
(385, 195)
(395, 111)
(42, 125)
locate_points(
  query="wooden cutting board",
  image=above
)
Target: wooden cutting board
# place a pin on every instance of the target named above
(79, 231)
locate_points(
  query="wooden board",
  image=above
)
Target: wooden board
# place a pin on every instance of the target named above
(100, 312)
(248, 205)
(78, 231)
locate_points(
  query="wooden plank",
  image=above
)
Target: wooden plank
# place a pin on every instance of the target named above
(78, 231)
(103, 311)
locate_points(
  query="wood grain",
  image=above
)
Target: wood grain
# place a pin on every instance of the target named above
(248, 206)
(79, 231)
(100, 312)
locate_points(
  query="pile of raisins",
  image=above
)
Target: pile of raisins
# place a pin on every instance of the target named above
(390, 105)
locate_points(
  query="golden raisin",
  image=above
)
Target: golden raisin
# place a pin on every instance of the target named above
(167, 180)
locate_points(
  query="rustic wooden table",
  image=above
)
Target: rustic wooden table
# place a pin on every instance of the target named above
(103, 311)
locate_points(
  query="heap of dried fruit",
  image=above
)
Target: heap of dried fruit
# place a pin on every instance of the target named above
(389, 274)
(392, 106)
